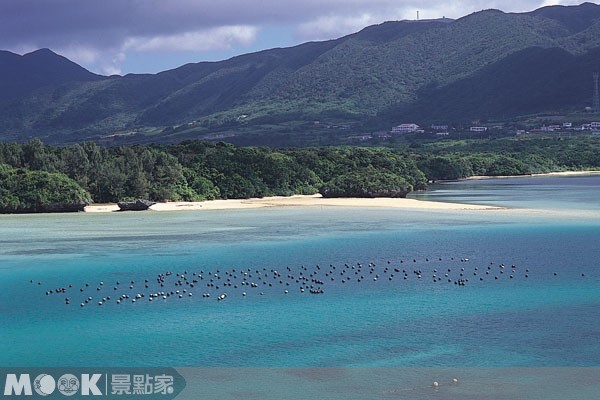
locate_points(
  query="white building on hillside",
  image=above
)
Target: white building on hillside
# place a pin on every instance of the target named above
(478, 129)
(405, 128)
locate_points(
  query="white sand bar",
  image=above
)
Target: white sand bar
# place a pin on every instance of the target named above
(101, 208)
(300, 201)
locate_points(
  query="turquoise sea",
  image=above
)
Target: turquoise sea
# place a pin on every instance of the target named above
(522, 288)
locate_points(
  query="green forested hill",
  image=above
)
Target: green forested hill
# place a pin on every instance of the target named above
(533, 80)
(486, 65)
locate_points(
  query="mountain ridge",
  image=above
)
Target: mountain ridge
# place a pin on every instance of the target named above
(23, 74)
(386, 73)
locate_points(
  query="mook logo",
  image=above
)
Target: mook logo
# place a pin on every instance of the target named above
(121, 383)
(45, 384)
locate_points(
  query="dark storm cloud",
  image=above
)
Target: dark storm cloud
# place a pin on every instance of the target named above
(108, 29)
(108, 21)
(24, 21)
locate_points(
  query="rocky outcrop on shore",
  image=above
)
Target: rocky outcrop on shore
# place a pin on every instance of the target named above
(136, 205)
(50, 208)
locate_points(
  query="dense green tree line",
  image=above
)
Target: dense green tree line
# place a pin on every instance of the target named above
(227, 171)
(198, 170)
(109, 174)
(367, 183)
(22, 190)
(34, 176)
(455, 159)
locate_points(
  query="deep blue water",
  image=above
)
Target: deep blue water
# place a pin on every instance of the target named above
(546, 315)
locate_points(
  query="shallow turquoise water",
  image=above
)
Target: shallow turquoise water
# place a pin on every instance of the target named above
(542, 320)
(540, 192)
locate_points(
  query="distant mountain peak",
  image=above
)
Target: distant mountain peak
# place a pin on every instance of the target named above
(575, 18)
(20, 75)
(42, 51)
(488, 64)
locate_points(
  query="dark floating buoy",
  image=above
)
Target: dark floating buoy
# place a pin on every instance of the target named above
(296, 281)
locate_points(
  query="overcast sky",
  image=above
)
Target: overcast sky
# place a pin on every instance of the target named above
(139, 36)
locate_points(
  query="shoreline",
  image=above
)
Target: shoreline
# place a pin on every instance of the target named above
(317, 200)
(299, 201)
(562, 173)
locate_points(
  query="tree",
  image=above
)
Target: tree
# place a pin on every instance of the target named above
(366, 183)
(22, 190)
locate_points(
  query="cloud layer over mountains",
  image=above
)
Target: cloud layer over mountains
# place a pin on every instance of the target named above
(102, 35)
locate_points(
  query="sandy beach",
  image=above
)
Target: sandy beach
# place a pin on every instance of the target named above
(317, 200)
(102, 208)
(299, 201)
